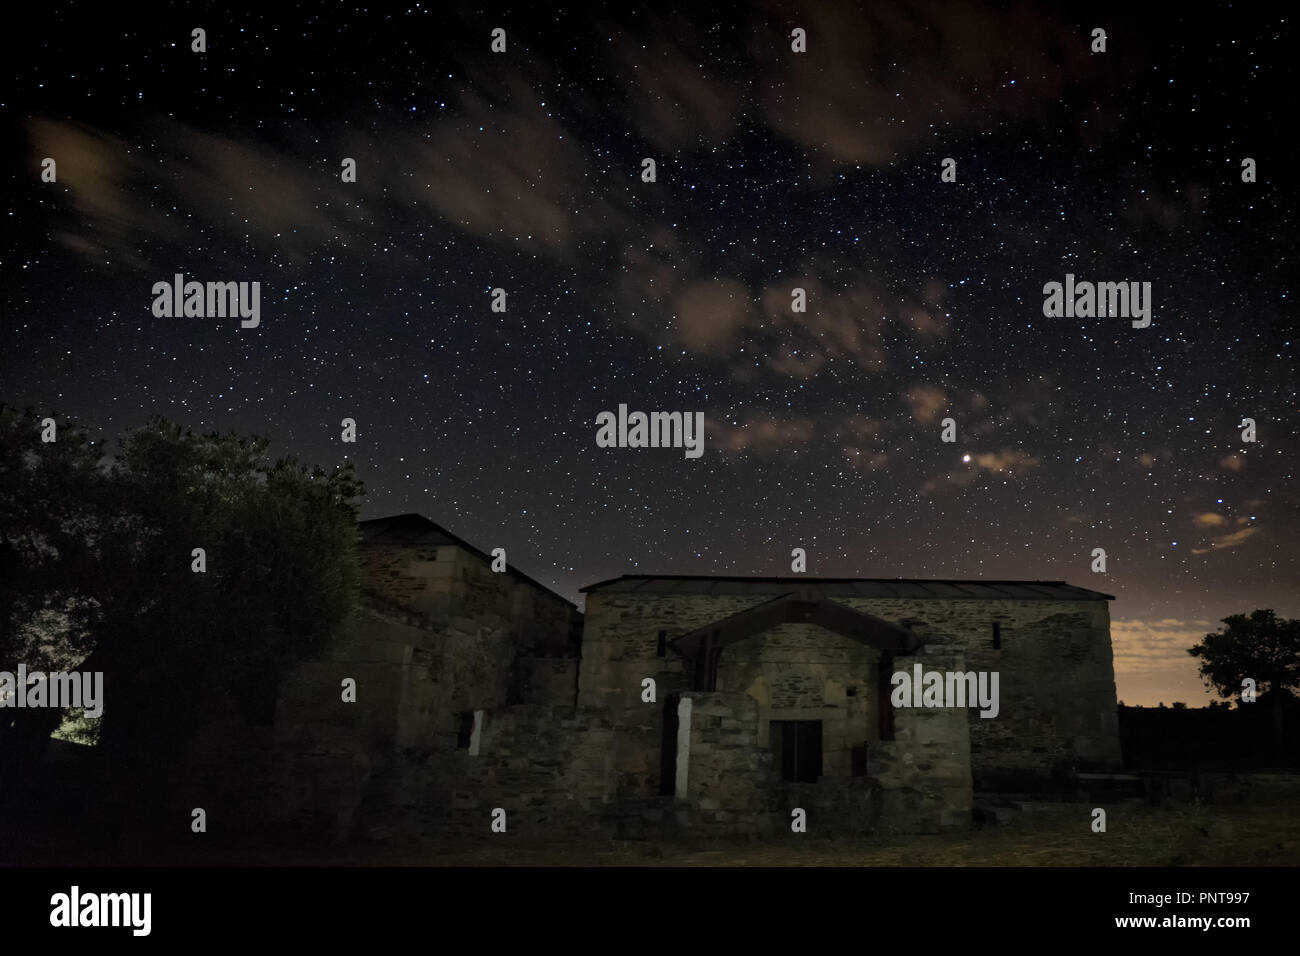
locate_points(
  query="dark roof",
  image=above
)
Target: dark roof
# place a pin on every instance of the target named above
(848, 587)
(793, 609)
(416, 529)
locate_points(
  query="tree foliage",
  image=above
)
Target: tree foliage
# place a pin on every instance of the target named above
(105, 546)
(1262, 647)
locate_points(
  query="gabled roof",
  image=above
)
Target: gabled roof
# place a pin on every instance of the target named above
(978, 589)
(416, 530)
(794, 608)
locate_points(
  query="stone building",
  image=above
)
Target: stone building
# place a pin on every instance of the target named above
(439, 640)
(703, 705)
(780, 695)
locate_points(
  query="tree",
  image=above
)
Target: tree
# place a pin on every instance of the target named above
(111, 544)
(50, 508)
(1262, 647)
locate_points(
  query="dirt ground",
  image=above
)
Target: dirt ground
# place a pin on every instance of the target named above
(1256, 834)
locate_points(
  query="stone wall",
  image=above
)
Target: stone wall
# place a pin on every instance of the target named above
(924, 772)
(619, 644)
(438, 636)
(803, 672)
(549, 679)
(728, 780)
(547, 767)
(1057, 683)
(449, 581)
(1057, 687)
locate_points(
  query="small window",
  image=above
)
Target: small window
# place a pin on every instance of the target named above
(466, 730)
(661, 649)
(799, 743)
(997, 636)
(884, 690)
(850, 692)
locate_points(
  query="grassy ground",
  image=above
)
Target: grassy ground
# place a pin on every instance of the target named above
(1256, 834)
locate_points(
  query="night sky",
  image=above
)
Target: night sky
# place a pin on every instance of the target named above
(775, 170)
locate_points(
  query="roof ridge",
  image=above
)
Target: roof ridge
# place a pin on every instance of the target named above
(1002, 588)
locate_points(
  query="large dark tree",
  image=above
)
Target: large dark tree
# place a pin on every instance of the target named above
(51, 509)
(105, 548)
(1262, 647)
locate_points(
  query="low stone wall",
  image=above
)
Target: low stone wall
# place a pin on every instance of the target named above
(545, 766)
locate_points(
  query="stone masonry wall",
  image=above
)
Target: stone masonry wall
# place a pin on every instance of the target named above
(803, 672)
(439, 635)
(920, 783)
(618, 651)
(451, 582)
(924, 773)
(1058, 706)
(546, 766)
(1058, 710)
(730, 782)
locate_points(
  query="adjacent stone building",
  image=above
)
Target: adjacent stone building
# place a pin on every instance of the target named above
(675, 704)
(438, 642)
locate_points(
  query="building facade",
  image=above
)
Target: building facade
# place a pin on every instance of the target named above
(675, 704)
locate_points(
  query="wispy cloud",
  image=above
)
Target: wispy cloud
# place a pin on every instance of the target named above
(763, 435)
(1007, 462)
(710, 314)
(857, 437)
(927, 402)
(846, 97)
(676, 98)
(498, 166)
(1230, 540)
(1145, 646)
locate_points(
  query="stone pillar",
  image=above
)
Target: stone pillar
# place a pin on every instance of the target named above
(924, 772)
(683, 747)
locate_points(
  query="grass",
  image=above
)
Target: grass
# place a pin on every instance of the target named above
(1255, 834)
(1136, 835)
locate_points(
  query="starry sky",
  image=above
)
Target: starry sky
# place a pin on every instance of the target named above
(820, 170)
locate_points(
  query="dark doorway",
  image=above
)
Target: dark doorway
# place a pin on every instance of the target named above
(668, 764)
(465, 729)
(799, 743)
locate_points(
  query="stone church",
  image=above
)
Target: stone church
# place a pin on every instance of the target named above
(673, 705)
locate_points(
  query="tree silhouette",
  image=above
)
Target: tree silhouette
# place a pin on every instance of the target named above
(1262, 647)
(106, 546)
